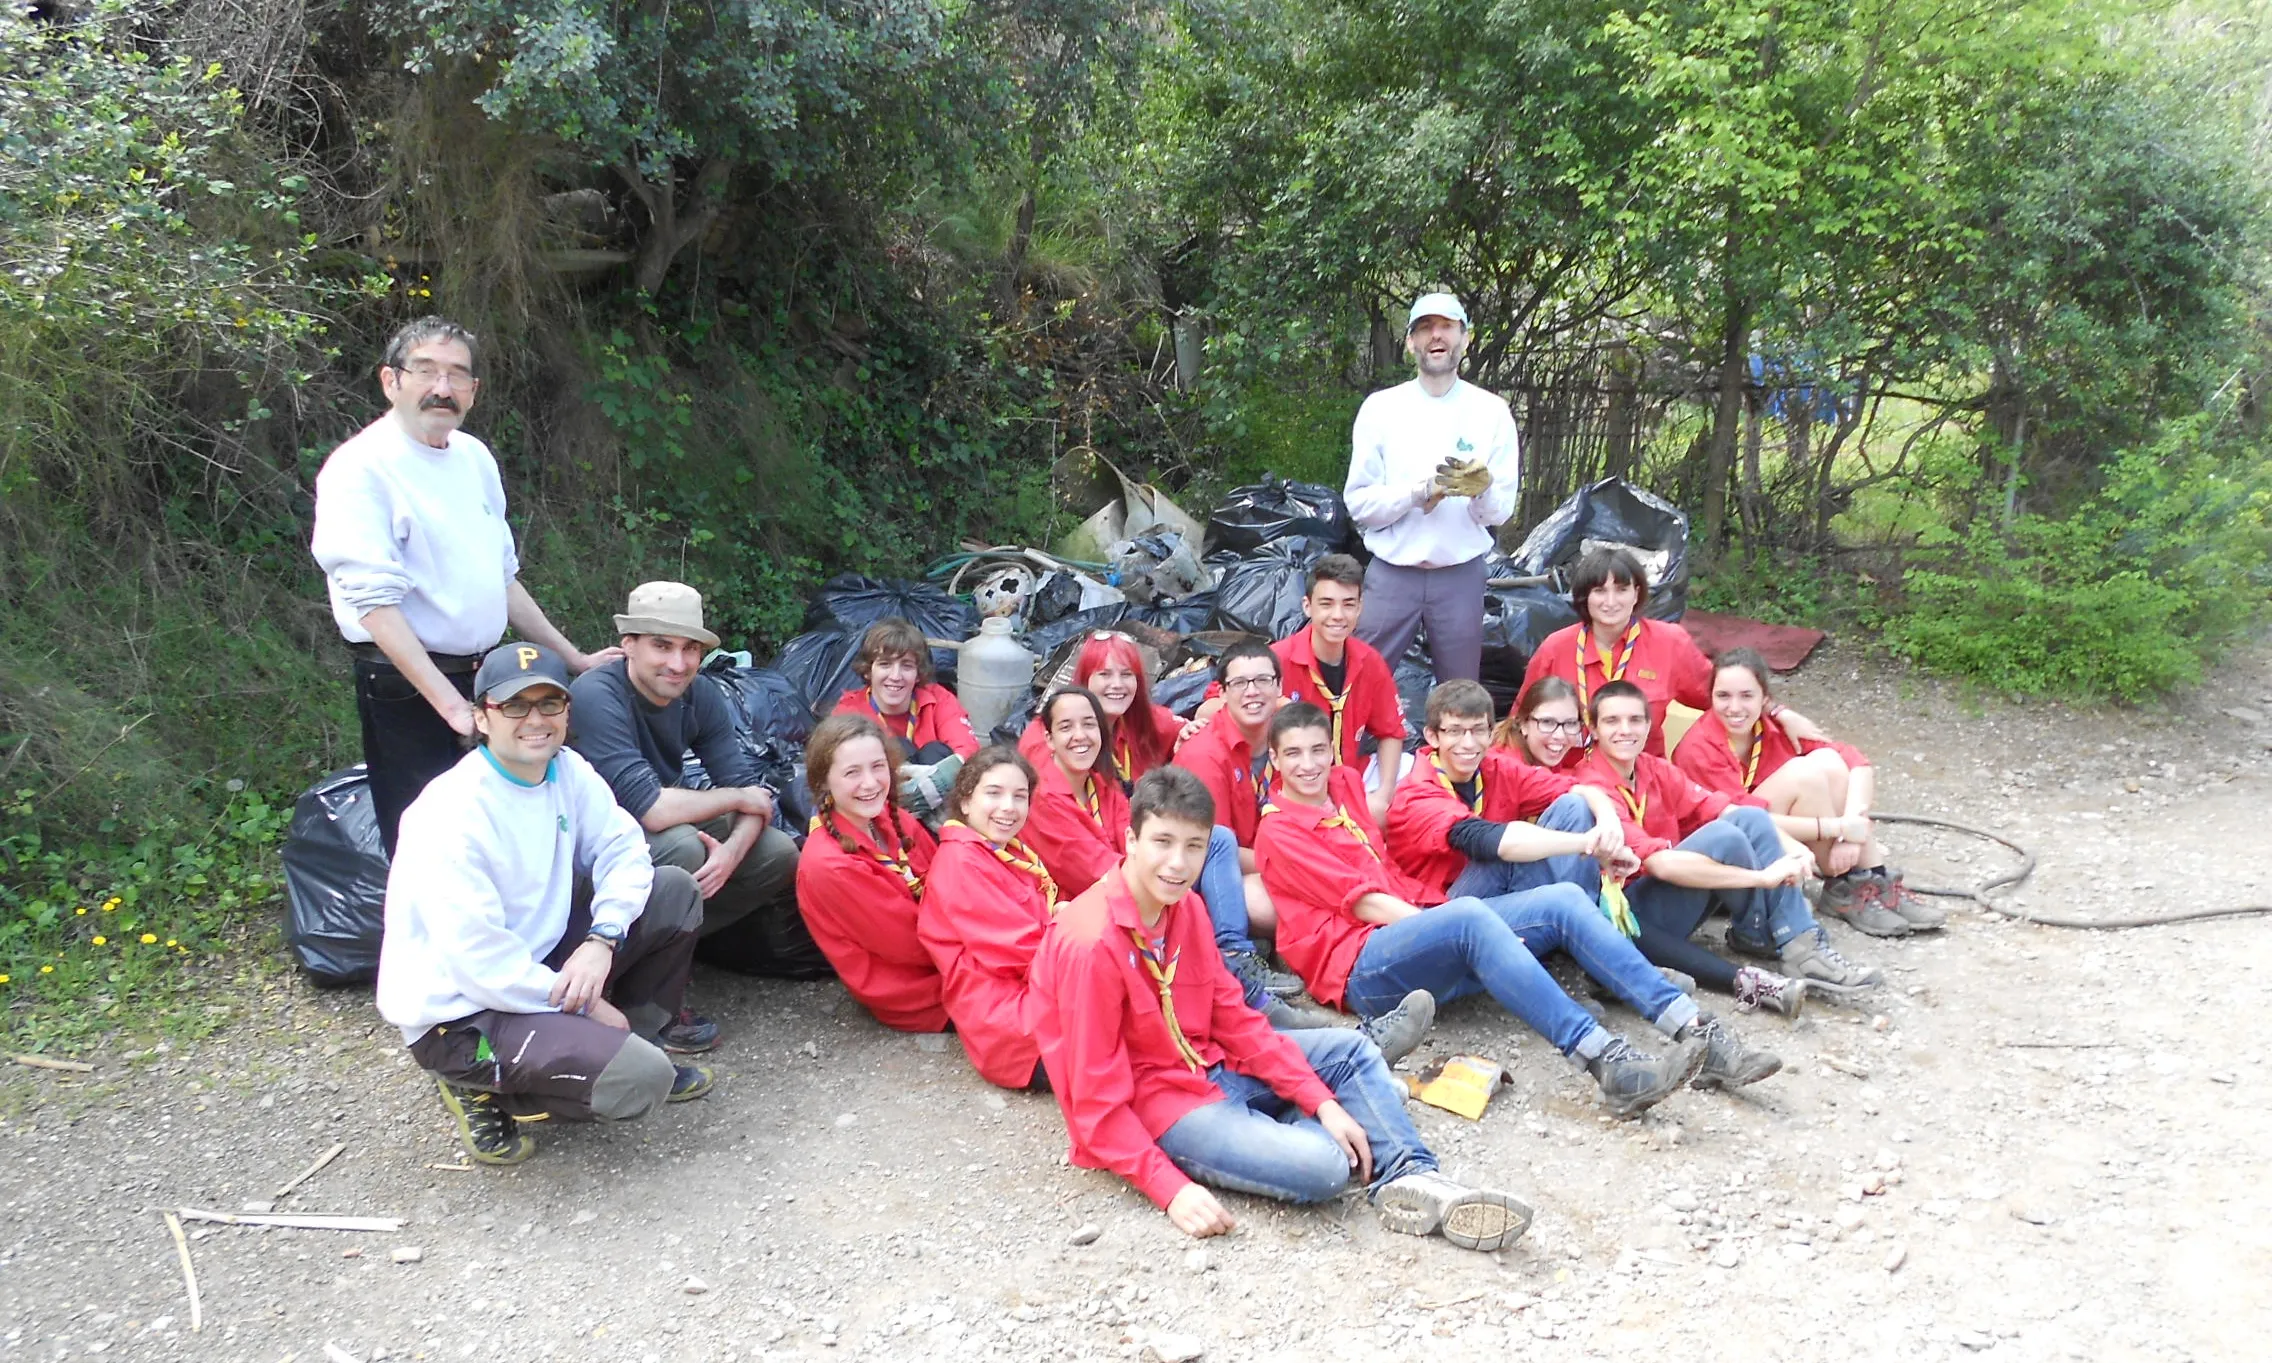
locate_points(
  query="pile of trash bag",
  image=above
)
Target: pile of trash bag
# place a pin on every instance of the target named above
(1613, 513)
(1274, 509)
(1262, 592)
(335, 881)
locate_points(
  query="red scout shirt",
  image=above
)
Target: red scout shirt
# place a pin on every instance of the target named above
(1033, 744)
(1660, 807)
(861, 908)
(1424, 809)
(1661, 659)
(1119, 1071)
(983, 912)
(1316, 867)
(935, 717)
(1220, 756)
(1079, 837)
(1703, 754)
(1368, 701)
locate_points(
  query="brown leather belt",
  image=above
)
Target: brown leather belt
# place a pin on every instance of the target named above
(449, 663)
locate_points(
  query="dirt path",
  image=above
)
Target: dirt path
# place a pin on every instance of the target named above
(2035, 1145)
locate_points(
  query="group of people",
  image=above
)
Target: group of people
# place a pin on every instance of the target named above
(1122, 908)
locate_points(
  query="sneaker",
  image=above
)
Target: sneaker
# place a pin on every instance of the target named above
(1810, 957)
(1915, 910)
(1836, 892)
(1756, 988)
(487, 1131)
(1251, 969)
(1402, 1028)
(1428, 1203)
(691, 1082)
(1865, 908)
(1633, 1081)
(689, 1033)
(1728, 1062)
(1298, 1017)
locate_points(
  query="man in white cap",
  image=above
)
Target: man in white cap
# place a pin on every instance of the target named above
(637, 717)
(1433, 469)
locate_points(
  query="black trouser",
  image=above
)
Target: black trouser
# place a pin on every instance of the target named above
(405, 743)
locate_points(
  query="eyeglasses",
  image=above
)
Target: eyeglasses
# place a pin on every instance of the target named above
(1451, 735)
(1250, 683)
(1106, 636)
(519, 709)
(1551, 727)
(426, 371)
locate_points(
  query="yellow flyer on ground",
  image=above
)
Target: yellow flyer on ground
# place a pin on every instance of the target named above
(1463, 1084)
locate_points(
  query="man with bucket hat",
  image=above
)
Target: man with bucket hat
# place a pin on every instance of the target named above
(637, 717)
(1434, 467)
(533, 953)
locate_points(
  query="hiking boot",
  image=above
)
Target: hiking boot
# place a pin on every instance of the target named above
(1756, 988)
(1632, 1080)
(1864, 907)
(1810, 957)
(487, 1131)
(1728, 1062)
(1915, 910)
(1251, 970)
(1402, 1028)
(691, 1082)
(1428, 1203)
(1298, 1017)
(689, 1033)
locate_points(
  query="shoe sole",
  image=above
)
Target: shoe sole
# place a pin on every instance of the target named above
(1636, 1104)
(1419, 1004)
(1771, 1066)
(1875, 929)
(690, 1047)
(688, 1095)
(1486, 1221)
(1835, 992)
(524, 1145)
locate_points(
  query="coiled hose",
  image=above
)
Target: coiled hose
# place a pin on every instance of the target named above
(2051, 920)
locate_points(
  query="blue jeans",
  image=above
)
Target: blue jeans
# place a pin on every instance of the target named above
(1462, 946)
(1490, 879)
(1223, 886)
(1254, 1141)
(1766, 920)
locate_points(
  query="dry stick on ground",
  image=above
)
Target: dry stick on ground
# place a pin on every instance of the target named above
(312, 1170)
(297, 1220)
(41, 1062)
(188, 1274)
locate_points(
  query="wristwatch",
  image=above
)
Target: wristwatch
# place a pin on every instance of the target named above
(611, 934)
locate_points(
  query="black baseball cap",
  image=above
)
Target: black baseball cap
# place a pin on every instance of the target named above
(513, 668)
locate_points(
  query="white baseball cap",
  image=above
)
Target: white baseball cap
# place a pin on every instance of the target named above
(1436, 305)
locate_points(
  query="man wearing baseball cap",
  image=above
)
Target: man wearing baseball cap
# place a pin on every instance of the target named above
(1433, 469)
(637, 717)
(533, 953)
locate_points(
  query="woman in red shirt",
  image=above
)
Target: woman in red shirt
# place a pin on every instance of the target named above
(1139, 734)
(1080, 817)
(861, 875)
(926, 723)
(986, 903)
(1818, 792)
(1613, 641)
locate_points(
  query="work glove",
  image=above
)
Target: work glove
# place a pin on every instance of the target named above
(924, 789)
(1463, 477)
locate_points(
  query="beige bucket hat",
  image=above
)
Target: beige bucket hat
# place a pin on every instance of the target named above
(668, 608)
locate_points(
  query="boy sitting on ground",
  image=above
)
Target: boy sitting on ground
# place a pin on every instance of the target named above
(533, 952)
(1166, 1076)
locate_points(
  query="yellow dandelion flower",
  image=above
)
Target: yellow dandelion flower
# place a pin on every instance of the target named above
(81, 912)
(3, 979)
(172, 943)
(111, 907)
(47, 970)
(101, 940)
(148, 938)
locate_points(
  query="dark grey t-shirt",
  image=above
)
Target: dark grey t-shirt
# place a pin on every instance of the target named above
(641, 748)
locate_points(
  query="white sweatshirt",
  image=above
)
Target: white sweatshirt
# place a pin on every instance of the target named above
(400, 523)
(479, 891)
(1401, 435)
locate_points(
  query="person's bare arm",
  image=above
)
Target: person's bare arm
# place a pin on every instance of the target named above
(1529, 842)
(1390, 755)
(1382, 908)
(1609, 832)
(391, 631)
(527, 617)
(673, 806)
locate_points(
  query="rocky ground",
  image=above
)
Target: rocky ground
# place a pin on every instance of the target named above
(2036, 1144)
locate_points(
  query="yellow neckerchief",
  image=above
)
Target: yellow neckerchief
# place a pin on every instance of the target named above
(1333, 704)
(1163, 975)
(1123, 756)
(1339, 818)
(1610, 671)
(1751, 769)
(914, 711)
(1635, 801)
(1616, 909)
(1085, 797)
(896, 860)
(1016, 855)
(1475, 806)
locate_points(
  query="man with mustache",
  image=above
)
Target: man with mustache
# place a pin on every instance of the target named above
(1433, 468)
(411, 535)
(637, 718)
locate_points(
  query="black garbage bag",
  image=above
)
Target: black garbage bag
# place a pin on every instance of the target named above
(818, 668)
(1415, 676)
(1013, 725)
(1056, 596)
(1273, 509)
(1181, 692)
(1516, 620)
(1045, 640)
(1262, 593)
(764, 702)
(335, 881)
(851, 602)
(1614, 511)
(1184, 615)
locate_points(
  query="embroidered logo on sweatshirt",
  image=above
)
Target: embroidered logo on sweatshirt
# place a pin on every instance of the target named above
(1464, 446)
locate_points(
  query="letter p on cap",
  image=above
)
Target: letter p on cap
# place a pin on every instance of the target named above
(527, 656)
